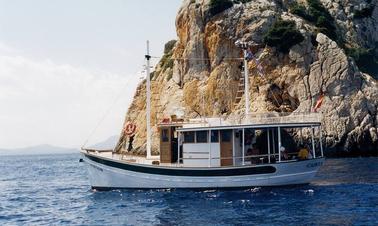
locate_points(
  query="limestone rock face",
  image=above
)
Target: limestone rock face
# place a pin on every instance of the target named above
(200, 76)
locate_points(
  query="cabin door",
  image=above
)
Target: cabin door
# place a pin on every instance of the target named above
(226, 147)
(165, 145)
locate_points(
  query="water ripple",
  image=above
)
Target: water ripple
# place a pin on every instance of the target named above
(54, 190)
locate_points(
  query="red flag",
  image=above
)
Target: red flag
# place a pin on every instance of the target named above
(318, 103)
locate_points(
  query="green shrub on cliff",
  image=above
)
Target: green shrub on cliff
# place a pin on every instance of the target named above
(167, 61)
(366, 59)
(242, 1)
(316, 13)
(283, 35)
(168, 47)
(363, 13)
(218, 6)
(299, 10)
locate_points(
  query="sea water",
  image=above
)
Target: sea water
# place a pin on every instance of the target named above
(54, 190)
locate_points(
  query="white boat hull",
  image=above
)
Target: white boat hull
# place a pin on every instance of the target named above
(111, 174)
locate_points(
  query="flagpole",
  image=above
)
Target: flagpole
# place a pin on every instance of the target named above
(148, 101)
(246, 82)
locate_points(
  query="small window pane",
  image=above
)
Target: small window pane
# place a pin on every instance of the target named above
(164, 135)
(215, 136)
(189, 137)
(226, 135)
(201, 136)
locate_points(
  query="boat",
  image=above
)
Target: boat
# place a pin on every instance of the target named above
(251, 150)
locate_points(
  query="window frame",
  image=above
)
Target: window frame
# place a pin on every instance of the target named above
(206, 133)
(194, 137)
(229, 136)
(217, 136)
(164, 135)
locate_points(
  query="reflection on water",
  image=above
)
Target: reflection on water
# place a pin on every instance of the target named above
(55, 190)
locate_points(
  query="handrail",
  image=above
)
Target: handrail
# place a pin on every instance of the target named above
(277, 118)
(96, 150)
(235, 157)
(259, 118)
(245, 157)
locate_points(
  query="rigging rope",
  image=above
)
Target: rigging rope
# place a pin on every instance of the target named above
(200, 59)
(127, 81)
(107, 112)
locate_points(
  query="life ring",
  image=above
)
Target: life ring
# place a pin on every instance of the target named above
(129, 129)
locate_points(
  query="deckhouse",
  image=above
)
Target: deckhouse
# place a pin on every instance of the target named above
(258, 139)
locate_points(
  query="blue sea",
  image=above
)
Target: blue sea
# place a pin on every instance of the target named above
(54, 190)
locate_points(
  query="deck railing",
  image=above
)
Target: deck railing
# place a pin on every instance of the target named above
(276, 118)
(264, 118)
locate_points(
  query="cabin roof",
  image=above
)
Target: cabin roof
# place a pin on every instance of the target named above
(251, 126)
(255, 120)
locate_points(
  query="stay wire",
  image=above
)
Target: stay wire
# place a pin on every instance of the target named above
(106, 112)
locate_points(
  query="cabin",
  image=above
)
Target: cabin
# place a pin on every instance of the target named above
(214, 142)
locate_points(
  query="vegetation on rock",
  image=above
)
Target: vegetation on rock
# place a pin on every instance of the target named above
(167, 61)
(283, 35)
(299, 10)
(363, 13)
(218, 6)
(242, 1)
(316, 13)
(366, 59)
(319, 15)
(168, 47)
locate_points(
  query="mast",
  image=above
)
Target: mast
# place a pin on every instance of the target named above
(148, 101)
(246, 81)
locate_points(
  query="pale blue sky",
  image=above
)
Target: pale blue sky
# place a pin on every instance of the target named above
(62, 63)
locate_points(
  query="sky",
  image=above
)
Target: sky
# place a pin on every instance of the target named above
(65, 64)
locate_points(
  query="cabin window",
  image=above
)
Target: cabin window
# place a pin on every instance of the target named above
(226, 135)
(164, 135)
(214, 136)
(189, 137)
(201, 136)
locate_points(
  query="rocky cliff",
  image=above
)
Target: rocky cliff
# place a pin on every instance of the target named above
(336, 51)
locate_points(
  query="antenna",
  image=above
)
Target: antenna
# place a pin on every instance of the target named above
(148, 101)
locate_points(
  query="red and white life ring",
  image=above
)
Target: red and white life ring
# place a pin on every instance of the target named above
(129, 129)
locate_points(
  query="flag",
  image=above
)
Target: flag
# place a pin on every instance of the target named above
(249, 56)
(318, 103)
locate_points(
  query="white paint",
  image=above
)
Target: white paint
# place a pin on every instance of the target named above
(320, 140)
(297, 172)
(268, 132)
(313, 142)
(148, 108)
(279, 144)
(243, 147)
(233, 148)
(201, 150)
(246, 83)
(209, 144)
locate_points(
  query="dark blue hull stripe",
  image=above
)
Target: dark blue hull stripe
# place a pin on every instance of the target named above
(192, 172)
